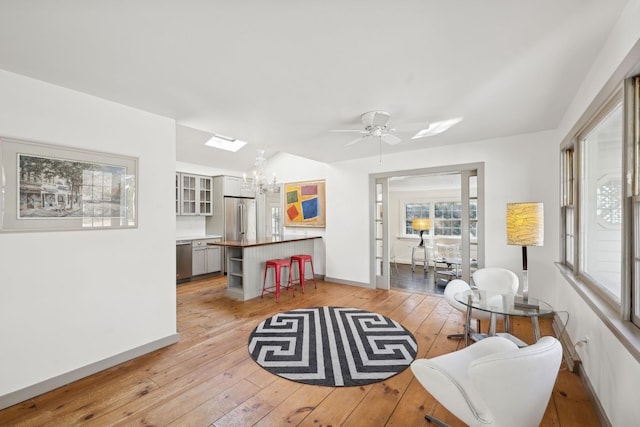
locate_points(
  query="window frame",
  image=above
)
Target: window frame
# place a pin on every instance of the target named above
(628, 307)
(631, 248)
(403, 223)
(613, 103)
(431, 231)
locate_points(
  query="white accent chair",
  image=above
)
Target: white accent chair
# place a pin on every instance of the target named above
(454, 287)
(496, 281)
(493, 382)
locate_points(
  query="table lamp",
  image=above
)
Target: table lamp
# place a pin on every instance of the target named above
(525, 227)
(421, 224)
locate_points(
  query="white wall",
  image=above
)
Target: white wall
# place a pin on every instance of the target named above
(70, 299)
(611, 370)
(290, 168)
(205, 170)
(518, 168)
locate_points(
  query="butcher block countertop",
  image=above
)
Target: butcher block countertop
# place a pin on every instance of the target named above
(261, 242)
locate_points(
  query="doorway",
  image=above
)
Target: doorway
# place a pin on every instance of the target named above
(451, 198)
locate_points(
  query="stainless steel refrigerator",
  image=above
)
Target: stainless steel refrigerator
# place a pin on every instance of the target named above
(239, 218)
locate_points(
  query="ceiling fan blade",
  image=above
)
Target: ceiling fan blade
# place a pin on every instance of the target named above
(348, 130)
(355, 141)
(391, 139)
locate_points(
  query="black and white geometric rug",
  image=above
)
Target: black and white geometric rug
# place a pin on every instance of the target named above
(332, 346)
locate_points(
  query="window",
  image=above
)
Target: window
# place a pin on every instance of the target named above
(415, 210)
(446, 218)
(567, 204)
(633, 166)
(600, 171)
(601, 202)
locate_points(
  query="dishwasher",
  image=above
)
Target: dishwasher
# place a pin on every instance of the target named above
(183, 260)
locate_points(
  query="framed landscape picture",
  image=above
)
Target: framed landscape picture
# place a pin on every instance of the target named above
(304, 204)
(49, 187)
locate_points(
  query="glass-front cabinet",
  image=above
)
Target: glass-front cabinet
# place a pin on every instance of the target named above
(193, 194)
(177, 194)
(204, 195)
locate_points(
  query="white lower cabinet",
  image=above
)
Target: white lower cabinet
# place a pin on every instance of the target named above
(206, 259)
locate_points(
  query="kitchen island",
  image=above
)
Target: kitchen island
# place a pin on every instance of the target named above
(245, 261)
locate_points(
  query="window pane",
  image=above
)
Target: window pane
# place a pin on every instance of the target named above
(636, 262)
(569, 223)
(567, 178)
(473, 186)
(473, 209)
(448, 216)
(415, 210)
(601, 203)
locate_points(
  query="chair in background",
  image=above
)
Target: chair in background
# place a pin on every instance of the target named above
(447, 250)
(496, 281)
(393, 257)
(493, 382)
(447, 261)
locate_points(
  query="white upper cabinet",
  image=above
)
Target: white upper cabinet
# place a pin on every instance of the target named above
(194, 194)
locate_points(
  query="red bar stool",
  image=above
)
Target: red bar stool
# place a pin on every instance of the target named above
(302, 260)
(277, 265)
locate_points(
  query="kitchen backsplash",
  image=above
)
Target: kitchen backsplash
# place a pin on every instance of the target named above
(188, 226)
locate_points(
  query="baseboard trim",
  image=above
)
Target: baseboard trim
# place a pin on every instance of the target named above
(347, 282)
(568, 349)
(34, 390)
(602, 416)
(574, 365)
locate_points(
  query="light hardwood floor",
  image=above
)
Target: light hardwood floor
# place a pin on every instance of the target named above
(208, 378)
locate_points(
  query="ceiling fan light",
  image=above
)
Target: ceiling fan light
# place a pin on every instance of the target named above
(375, 118)
(437, 127)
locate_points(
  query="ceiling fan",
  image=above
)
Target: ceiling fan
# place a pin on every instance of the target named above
(376, 125)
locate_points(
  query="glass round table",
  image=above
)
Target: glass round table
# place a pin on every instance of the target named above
(502, 304)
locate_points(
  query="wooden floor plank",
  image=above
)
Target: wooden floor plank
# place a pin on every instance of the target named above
(336, 407)
(569, 394)
(176, 406)
(299, 405)
(376, 408)
(412, 407)
(208, 377)
(216, 407)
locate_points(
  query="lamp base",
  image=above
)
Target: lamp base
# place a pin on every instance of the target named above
(525, 302)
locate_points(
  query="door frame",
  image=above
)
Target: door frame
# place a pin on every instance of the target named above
(383, 281)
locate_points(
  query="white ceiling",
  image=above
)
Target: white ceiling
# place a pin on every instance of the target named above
(281, 73)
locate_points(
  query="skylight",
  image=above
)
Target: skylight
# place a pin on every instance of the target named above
(225, 143)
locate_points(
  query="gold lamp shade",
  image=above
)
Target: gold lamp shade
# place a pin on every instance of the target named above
(525, 227)
(421, 224)
(525, 224)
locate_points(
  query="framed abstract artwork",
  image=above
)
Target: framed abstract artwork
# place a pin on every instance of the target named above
(50, 187)
(304, 204)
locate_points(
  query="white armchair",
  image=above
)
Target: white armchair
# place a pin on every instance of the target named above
(493, 382)
(496, 281)
(454, 287)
